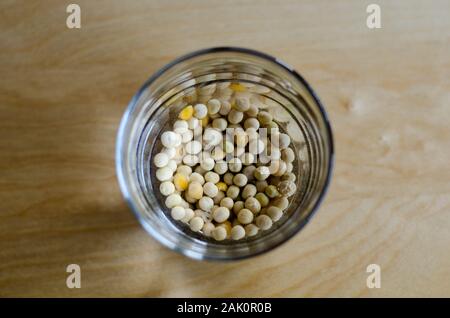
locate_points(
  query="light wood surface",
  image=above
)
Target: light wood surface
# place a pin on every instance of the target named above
(63, 92)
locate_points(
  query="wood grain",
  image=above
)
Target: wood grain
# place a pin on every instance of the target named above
(63, 92)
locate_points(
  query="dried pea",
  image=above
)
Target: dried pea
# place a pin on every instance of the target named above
(262, 199)
(237, 232)
(271, 191)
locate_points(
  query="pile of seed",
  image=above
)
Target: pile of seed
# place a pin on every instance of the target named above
(219, 173)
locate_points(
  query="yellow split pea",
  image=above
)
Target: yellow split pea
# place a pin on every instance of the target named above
(180, 181)
(222, 186)
(186, 113)
(237, 87)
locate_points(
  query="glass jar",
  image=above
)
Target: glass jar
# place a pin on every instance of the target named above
(290, 99)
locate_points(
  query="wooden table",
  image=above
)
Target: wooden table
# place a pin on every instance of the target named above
(63, 92)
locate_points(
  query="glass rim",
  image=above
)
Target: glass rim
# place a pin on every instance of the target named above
(120, 142)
